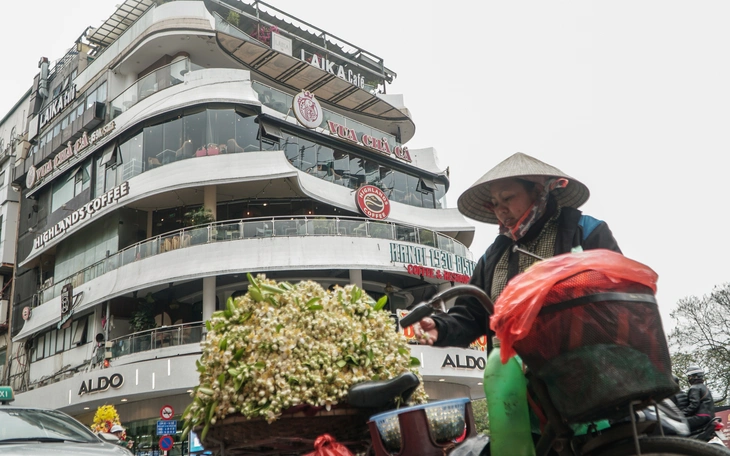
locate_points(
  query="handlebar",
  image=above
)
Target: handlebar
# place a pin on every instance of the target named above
(426, 308)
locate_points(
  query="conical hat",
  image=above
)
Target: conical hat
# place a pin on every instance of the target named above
(473, 202)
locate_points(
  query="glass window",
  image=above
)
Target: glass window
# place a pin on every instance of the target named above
(400, 189)
(290, 146)
(325, 163)
(67, 338)
(222, 127)
(131, 158)
(56, 130)
(387, 180)
(59, 340)
(342, 167)
(39, 346)
(101, 92)
(100, 176)
(413, 196)
(63, 191)
(246, 133)
(195, 133)
(440, 196)
(372, 172)
(49, 345)
(82, 179)
(357, 173)
(2, 179)
(172, 139)
(307, 155)
(79, 110)
(64, 122)
(153, 150)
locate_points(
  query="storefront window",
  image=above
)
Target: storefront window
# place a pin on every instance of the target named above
(246, 132)
(131, 158)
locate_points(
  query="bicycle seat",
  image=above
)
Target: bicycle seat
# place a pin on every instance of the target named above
(380, 394)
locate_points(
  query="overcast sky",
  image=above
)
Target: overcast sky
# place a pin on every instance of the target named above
(631, 98)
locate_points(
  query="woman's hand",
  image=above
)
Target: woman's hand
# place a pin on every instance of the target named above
(426, 331)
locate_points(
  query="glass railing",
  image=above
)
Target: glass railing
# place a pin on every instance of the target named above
(152, 339)
(160, 79)
(255, 228)
(281, 102)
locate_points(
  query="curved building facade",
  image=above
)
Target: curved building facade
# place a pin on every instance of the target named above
(174, 151)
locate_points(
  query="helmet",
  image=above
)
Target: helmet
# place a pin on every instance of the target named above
(694, 374)
(116, 428)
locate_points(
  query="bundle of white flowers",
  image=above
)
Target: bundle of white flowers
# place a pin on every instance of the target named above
(283, 345)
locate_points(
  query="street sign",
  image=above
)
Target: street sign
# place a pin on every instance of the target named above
(166, 443)
(167, 412)
(166, 427)
(6, 394)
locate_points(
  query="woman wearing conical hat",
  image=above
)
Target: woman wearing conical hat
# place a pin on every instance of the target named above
(536, 208)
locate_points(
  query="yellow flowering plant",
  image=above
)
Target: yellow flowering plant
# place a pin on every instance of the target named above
(105, 417)
(282, 345)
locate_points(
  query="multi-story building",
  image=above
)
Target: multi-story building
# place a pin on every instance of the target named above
(183, 144)
(12, 144)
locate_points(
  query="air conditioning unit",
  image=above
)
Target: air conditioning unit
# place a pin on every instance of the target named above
(3, 311)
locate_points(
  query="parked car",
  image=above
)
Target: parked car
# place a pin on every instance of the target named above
(32, 431)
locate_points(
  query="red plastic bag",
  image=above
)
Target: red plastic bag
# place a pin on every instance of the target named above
(524, 296)
(326, 445)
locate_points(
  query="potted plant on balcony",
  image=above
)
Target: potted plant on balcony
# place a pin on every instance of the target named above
(143, 319)
(195, 217)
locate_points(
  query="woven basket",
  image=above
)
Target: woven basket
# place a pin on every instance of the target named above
(295, 430)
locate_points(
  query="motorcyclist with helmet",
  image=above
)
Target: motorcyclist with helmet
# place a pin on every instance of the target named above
(701, 408)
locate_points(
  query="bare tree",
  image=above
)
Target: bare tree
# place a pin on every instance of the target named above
(702, 336)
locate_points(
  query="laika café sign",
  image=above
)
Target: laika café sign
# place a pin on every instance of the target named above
(377, 144)
(35, 175)
(419, 259)
(102, 384)
(86, 211)
(57, 106)
(331, 67)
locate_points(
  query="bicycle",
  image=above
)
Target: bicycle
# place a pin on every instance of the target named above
(558, 437)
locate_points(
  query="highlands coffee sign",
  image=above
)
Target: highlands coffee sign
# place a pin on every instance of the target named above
(102, 384)
(88, 210)
(35, 175)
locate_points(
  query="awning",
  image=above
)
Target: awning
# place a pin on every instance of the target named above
(127, 13)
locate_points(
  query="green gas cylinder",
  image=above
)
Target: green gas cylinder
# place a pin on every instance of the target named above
(505, 387)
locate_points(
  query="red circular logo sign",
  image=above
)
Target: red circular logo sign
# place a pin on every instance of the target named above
(26, 313)
(372, 202)
(166, 412)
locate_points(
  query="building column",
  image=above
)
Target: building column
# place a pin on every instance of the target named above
(356, 277)
(210, 199)
(208, 297)
(150, 223)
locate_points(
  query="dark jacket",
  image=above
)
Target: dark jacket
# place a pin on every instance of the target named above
(467, 320)
(700, 401)
(680, 400)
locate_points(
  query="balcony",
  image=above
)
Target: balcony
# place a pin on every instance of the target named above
(160, 79)
(257, 228)
(153, 339)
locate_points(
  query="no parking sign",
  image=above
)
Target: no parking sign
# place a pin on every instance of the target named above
(166, 443)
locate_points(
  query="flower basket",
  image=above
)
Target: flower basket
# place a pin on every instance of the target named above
(278, 362)
(296, 429)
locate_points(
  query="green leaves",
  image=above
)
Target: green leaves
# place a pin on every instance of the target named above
(414, 362)
(312, 304)
(381, 302)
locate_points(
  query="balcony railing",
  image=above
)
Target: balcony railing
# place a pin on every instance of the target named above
(160, 79)
(152, 339)
(253, 228)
